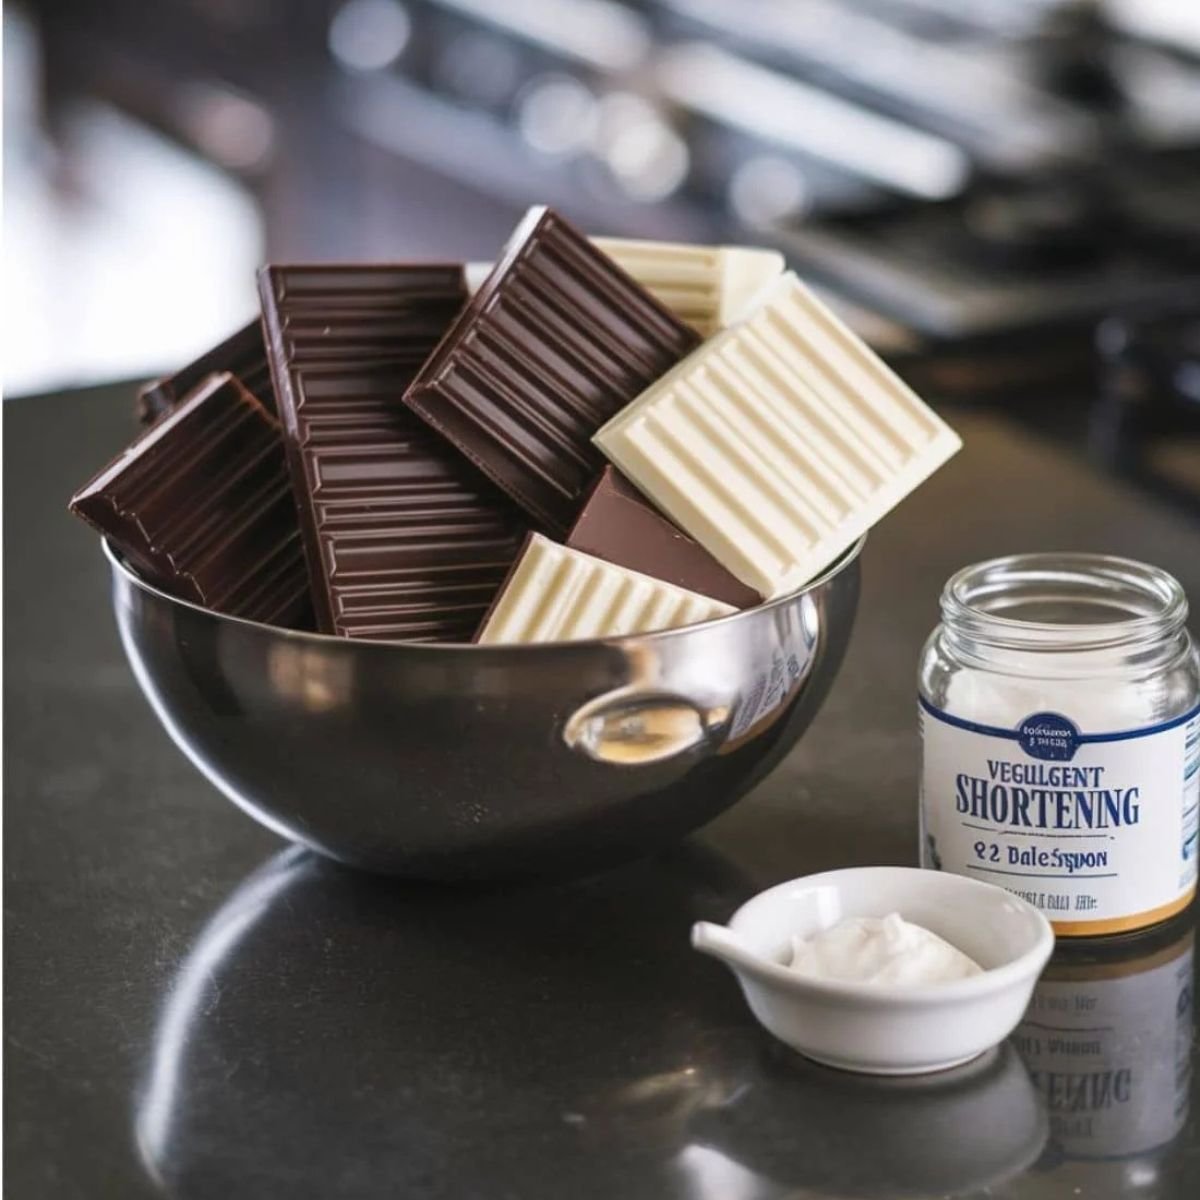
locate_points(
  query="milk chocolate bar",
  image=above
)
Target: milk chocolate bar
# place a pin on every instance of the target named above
(405, 539)
(556, 341)
(709, 287)
(201, 505)
(243, 355)
(778, 442)
(618, 525)
(557, 594)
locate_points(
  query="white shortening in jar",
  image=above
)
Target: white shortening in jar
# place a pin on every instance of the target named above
(1060, 728)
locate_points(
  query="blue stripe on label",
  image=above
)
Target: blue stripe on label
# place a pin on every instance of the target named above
(1013, 735)
(1037, 874)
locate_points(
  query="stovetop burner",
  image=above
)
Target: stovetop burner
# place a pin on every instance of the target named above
(1039, 225)
(1060, 249)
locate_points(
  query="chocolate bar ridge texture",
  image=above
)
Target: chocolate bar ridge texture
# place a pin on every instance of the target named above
(405, 539)
(201, 505)
(707, 286)
(555, 593)
(554, 343)
(243, 355)
(779, 442)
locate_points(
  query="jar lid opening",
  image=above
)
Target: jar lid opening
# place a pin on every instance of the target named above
(1064, 601)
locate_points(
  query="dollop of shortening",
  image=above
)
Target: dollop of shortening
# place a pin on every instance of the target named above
(887, 950)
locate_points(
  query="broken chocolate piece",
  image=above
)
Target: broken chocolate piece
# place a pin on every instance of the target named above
(619, 525)
(555, 342)
(405, 539)
(201, 505)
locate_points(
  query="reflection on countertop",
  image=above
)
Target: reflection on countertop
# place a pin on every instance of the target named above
(434, 1019)
(1108, 1041)
(437, 1021)
(799, 1125)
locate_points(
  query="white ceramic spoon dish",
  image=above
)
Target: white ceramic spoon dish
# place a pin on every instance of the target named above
(873, 1028)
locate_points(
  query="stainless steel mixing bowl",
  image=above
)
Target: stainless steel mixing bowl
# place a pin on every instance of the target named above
(448, 762)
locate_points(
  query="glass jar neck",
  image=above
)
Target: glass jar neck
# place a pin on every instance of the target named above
(1065, 616)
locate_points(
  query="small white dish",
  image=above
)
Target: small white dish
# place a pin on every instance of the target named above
(872, 1028)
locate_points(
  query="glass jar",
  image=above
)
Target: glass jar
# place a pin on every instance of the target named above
(1060, 733)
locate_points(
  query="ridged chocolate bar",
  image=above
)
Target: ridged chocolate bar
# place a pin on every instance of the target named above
(555, 342)
(405, 539)
(201, 505)
(243, 355)
(780, 442)
(619, 525)
(556, 594)
(707, 286)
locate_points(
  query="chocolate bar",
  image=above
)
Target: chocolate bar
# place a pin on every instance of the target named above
(779, 442)
(709, 287)
(243, 355)
(201, 505)
(405, 539)
(556, 341)
(557, 594)
(619, 526)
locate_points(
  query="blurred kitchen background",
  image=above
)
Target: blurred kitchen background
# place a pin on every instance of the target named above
(1004, 195)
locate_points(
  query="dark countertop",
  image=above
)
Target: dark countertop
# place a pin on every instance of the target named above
(195, 1010)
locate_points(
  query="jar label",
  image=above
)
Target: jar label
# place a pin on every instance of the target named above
(1098, 830)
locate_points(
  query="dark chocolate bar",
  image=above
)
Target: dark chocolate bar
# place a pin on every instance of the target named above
(556, 341)
(619, 525)
(243, 355)
(201, 505)
(406, 540)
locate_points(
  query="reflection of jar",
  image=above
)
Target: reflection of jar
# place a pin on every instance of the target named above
(1107, 1040)
(1060, 721)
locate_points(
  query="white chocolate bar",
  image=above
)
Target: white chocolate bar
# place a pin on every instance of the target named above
(709, 287)
(779, 442)
(555, 594)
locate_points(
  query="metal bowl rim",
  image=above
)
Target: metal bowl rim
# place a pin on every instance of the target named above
(846, 559)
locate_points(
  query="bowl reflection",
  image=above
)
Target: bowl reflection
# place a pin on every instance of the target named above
(332, 1032)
